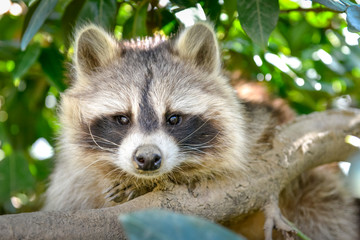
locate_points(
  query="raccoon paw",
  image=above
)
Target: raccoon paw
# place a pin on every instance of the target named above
(120, 193)
(275, 220)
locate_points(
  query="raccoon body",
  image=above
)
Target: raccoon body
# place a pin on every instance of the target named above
(142, 114)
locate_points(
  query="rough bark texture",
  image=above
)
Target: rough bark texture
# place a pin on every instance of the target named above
(307, 142)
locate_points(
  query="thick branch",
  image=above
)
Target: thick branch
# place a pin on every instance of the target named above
(309, 141)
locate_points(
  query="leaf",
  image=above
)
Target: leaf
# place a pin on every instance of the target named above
(8, 49)
(212, 10)
(162, 225)
(14, 175)
(169, 22)
(69, 18)
(52, 63)
(42, 11)
(184, 3)
(230, 8)
(101, 12)
(258, 18)
(135, 26)
(26, 60)
(337, 5)
(353, 18)
(32, 7)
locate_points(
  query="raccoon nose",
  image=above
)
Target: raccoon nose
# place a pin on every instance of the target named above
(147, 158)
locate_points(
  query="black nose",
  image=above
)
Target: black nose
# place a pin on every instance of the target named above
(147, 158)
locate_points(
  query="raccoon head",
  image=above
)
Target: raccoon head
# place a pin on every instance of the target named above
(154, 107)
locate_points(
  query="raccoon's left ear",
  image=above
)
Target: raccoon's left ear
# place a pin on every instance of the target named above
(94, 48)
(199, 45)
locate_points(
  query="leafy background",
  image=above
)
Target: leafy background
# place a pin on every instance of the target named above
(301, 51)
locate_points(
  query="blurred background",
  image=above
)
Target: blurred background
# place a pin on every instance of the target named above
(311, 60)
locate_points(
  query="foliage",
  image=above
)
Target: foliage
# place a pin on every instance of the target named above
(159, 224)
(311, 59)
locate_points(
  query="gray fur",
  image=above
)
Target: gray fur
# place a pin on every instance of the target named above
(122, 97)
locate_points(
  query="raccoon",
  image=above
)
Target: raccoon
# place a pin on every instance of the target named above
(141, 114)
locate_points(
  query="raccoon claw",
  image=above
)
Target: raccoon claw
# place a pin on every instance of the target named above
(132, 195)
(118, 192)
(110, 188)
(275, 220)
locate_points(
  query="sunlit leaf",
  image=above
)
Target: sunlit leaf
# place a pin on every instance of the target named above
(258, 18)
(353, 18)
(42, 11)
(161, 225)
(230, 7)
(136, 25)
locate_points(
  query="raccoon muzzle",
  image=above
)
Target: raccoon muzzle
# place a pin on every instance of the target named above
(147, 158)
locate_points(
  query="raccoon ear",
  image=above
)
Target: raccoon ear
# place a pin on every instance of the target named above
(199, 44)
(94, 48)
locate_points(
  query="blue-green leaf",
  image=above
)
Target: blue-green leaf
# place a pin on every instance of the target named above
(336, 5)
(353, 18)
(258, 18)
(42, 11)
(164, 225)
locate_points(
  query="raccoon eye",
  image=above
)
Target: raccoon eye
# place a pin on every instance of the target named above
(174, 120)
(123, 120)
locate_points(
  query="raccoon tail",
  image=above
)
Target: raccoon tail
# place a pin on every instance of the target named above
(319, 204)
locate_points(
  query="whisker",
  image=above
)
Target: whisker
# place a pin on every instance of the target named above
(100, 138)
(188, 136)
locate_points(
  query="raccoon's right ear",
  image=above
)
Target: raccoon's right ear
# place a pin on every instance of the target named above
(199, 45)
(94, 48)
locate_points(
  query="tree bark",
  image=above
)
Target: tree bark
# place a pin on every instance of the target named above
(307, 142)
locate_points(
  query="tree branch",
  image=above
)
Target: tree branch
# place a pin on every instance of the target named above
(307, 142)
(316, 10)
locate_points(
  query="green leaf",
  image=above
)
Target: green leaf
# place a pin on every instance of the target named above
(212, 10)
(100, 12)
(169, 22)
(8, 50)
(353, 18)
(69, 18)
(135, 26)
(258, 18)
(162, 225)
(230, 8)
(184, 3)
(26, 60)
(14, 175)
(52, 63)
(42, 11)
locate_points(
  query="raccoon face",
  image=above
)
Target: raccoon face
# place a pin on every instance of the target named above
(153, 110)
